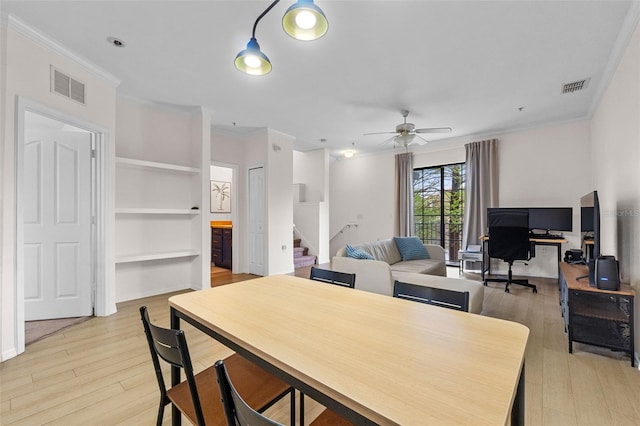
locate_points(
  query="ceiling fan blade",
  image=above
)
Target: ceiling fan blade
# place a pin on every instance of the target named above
(379, 133)
(386, 141)
(434, 130)
(420, 140)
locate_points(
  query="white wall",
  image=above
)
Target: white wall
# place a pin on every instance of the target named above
(27, 58)
(156, 133)
(361, 191)
(311, 217)
(279, 179)
(542, 167)
(273, 151)
(229, 149)
(311, 168)
(545, 167)
(615, 134)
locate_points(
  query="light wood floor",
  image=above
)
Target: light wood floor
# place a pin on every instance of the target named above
(99, 372)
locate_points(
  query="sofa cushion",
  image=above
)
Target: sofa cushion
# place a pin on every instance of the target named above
(357, 253)
(384, 250)
(422, 266)
(411, 248)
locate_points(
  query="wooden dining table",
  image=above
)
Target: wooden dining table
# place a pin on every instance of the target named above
(372, 358)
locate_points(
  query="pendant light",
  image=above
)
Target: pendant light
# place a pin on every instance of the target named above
(303, 21)
(252, 61)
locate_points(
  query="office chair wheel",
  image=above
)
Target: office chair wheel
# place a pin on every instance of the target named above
(506, 289)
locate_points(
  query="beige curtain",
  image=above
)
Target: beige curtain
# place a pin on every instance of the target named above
(404, 226)
(481, 188)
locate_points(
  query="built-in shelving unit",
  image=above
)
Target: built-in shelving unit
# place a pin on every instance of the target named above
(153, 165)
(124, 210)
(155, 256)
(157, 213)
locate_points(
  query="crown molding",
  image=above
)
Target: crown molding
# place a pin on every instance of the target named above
(624, 37)
(50, 44)
(185, 110)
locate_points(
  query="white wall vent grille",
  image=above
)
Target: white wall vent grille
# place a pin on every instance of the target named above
(66, 86)
(575, 86)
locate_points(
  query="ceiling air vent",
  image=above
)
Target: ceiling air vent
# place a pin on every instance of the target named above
(66, 86)
(575, 86)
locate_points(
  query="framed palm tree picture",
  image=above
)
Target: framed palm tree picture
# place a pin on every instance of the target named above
(220, 197)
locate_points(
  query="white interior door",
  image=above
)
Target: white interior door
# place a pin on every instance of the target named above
(57, 220)
(256, 221)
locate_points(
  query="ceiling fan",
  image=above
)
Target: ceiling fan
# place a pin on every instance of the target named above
(406, 132)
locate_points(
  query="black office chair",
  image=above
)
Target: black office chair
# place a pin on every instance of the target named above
(457, 300)
(333, 277)
(509, 241)
(197, 396)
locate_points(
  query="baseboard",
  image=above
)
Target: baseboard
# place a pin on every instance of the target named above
(11, 353)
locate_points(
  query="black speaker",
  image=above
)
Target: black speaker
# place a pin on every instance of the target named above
(607, 276)
(573, 256)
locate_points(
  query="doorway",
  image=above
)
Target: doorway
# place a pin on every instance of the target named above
(68, 191)
(57, 196)
(256, 221)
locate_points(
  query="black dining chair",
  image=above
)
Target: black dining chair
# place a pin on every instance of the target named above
(451, 299)
(239, 413)
(197, 397)
(333, 277)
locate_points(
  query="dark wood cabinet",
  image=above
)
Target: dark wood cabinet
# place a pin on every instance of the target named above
(221, 243)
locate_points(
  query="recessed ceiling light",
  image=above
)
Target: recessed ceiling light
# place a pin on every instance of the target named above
(116, 42)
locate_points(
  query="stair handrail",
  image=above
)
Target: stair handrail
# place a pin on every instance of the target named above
(347, 226)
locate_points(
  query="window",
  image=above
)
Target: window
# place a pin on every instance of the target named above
(438, 203)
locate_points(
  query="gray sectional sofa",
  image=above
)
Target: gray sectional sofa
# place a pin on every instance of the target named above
(377, 275)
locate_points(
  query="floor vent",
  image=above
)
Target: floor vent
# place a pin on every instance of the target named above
(575, 86)
(66, 86)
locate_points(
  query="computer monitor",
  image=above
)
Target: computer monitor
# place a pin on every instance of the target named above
(551, 219)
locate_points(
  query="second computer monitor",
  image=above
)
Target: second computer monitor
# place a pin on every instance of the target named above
(551, 218)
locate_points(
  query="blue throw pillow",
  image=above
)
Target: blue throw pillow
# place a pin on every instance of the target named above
(357, 253)
(411, 248)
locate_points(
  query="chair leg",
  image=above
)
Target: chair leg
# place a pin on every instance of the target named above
(524, 283)
(293, 407)
(301, 409)
(160, 414)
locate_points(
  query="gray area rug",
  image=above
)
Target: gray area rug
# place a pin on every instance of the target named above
(37, 330)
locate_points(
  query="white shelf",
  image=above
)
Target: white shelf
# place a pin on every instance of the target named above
(135, 210)
(156, 256)
(153, 165)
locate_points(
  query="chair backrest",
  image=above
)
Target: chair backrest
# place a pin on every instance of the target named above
(236, 411)
(509, 234)
(333, 277)
(458, 300)
(171, 346)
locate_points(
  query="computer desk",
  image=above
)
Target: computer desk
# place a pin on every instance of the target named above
(557, 243)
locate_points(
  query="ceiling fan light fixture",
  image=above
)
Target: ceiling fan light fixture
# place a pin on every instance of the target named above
(405, 139)
(252, 61)
(305, 21)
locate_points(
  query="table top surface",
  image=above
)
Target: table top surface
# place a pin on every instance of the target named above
(391, 360)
